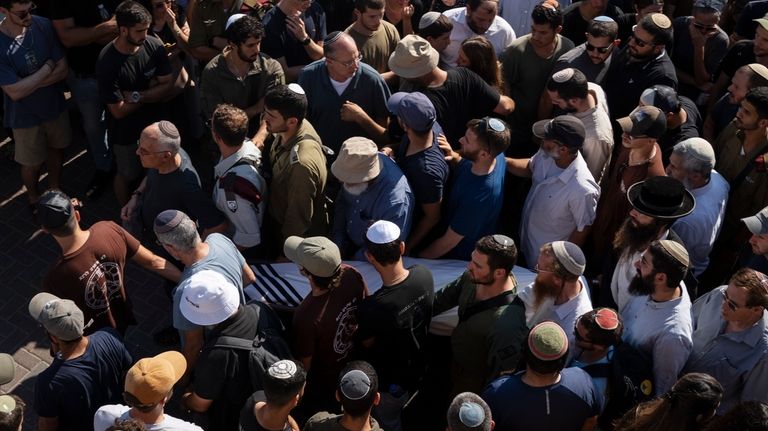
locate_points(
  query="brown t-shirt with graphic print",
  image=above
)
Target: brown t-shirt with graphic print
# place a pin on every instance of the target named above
(93, 277)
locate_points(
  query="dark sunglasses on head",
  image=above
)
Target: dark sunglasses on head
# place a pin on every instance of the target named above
(600, 49)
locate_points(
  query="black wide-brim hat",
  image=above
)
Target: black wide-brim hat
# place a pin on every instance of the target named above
(662, 198)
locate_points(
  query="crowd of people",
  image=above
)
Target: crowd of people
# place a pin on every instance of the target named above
(612, 152)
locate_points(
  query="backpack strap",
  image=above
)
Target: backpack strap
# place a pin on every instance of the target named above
(228, 181)
(504, 298)
(746, 171)
(233, 343)
(602, 370)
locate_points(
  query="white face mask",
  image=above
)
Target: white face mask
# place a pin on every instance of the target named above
(355, 189)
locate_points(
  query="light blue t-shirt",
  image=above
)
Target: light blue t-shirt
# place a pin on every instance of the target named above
(224, 258)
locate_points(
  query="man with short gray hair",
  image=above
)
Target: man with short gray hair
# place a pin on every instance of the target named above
(177, 233)
(692, 162)
(171, 183)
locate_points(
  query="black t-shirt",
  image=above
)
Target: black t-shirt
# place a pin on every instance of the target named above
(179, 190)
(463, 96)
(222, 374)
(574, 26)
(626, 81)
(689, 129)
(117, 72)
(85, 13)
(248, 420)
(739, 54)
(278, 41)
(398, 316)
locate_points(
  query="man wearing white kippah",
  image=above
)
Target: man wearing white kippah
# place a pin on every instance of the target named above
(393, 322)
(298, 164)
(270, 409)
(560, 292)
(657, 320)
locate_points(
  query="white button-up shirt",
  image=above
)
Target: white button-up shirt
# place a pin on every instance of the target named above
(500, 34)
(560, 202)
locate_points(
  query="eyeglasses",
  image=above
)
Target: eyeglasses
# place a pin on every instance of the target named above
(600, 49)
(490, 123)
(25, 13)
(537, 269)
(639, 42)
(732, 305)
(145, 152)
(348, 64)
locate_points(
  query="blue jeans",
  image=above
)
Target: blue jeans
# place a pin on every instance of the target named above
(85, 94)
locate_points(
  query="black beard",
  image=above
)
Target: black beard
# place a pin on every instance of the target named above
(632, 238)
(641, 286)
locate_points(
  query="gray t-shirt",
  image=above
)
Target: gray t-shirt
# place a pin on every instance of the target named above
(224, 258)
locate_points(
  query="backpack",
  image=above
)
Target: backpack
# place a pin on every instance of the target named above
(630, 381)
(268, 347)
(227, 183)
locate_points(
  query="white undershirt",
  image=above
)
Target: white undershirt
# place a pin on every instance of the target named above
(340, 86)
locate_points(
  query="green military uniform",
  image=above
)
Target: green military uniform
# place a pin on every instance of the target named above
(297, 191)
(472, 342)
(208, 21)
(219, 85)
(751, 195)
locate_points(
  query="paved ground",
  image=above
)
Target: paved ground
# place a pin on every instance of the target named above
(26, 253)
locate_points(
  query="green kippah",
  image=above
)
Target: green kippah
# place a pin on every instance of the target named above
(548, 341)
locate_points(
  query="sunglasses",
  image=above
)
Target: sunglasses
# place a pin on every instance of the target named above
(25, 13)
(600, 49)
(639, 42)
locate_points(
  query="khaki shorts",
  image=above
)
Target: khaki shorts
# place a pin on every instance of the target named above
(32, 143)
(127, 161)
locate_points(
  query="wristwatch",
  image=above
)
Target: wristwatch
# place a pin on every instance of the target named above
(306, 41)
(135, 97)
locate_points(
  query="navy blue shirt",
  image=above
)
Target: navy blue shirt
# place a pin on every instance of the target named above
(278, 41)
(474, 205)
(427, 171)
(21, 59)
(563, 406)
(74, 389)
